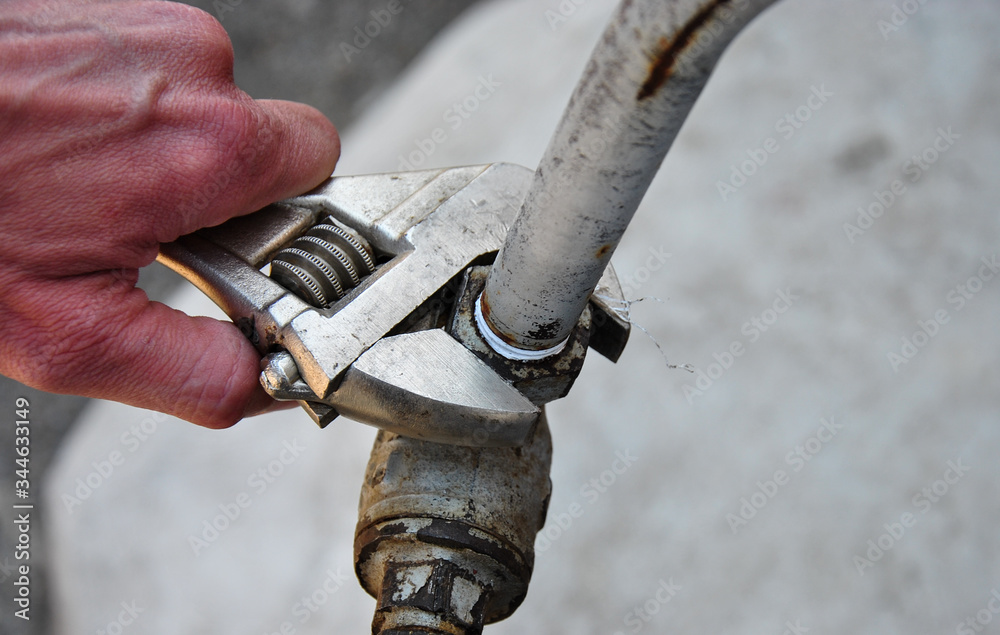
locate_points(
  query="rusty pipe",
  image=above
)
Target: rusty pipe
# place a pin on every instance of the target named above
(445, 535)
(642, 79)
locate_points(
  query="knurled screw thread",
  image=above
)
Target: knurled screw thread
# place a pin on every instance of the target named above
(323, 264)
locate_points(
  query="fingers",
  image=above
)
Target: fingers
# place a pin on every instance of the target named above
(240, 156)
(302, 152)
(150, 137)
(210, 159)
(99, 337)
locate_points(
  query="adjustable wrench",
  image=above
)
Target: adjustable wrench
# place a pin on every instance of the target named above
(378, 353)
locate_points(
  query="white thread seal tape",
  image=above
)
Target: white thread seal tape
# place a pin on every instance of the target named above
(505, 349)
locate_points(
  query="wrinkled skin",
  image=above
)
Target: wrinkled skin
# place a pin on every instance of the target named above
(120, 129)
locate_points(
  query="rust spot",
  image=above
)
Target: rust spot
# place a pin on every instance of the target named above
(486, 315)
(663, 64)
(484, 302)
(546, 331)
(603, 251)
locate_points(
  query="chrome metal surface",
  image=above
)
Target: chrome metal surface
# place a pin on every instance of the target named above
(446, 238)
(255, 237)
(428, 386)
(642, 80)
(279, 372)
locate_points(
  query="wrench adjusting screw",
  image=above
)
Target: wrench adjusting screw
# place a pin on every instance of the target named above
(323, 264)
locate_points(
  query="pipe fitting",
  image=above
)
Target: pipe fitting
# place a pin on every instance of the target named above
(445, 536)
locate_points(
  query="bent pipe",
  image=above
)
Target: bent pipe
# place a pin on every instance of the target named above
(642, 80)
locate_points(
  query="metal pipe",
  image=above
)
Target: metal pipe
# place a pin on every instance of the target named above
(642, 79)
(445, 536)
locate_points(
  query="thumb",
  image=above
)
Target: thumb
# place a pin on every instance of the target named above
(197, 368)
(98, 336)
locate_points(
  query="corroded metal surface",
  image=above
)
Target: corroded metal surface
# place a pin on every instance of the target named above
(541, 380)
(642, 80)
(445, 536)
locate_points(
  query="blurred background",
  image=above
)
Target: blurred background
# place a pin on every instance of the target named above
(868, 374)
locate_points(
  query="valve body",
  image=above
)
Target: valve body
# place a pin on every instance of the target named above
(445, 536)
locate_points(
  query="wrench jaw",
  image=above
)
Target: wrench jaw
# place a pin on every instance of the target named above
(428, 386)
(421, 384)
(371, 355)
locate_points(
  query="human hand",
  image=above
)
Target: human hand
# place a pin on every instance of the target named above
(121, 128)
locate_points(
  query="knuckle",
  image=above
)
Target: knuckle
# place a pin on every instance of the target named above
(202, 37)
(186, 41)
(218, 158)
